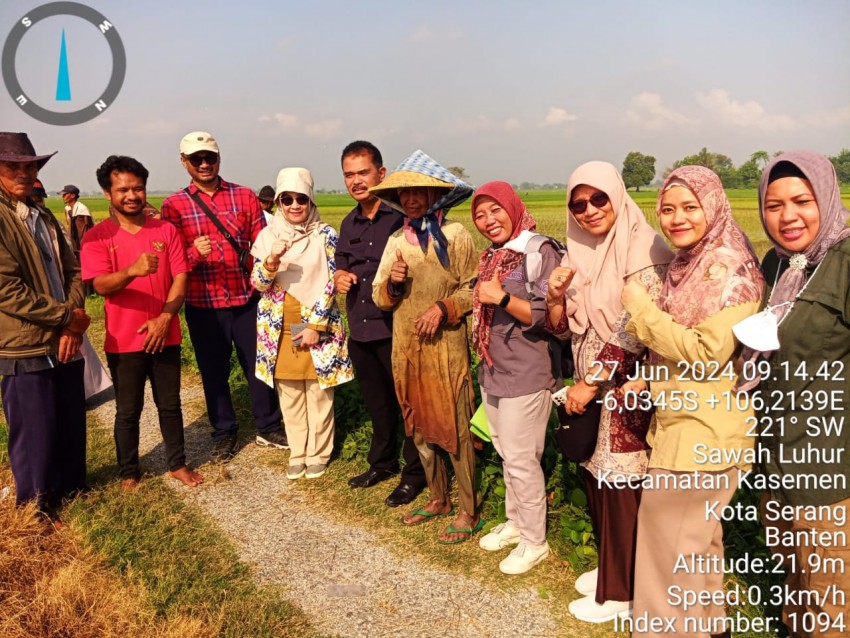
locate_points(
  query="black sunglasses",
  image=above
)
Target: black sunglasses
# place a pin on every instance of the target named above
(196, 159)
(578, 207)
(287, 200)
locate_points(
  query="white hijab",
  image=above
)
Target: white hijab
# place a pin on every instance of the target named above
(303, 271)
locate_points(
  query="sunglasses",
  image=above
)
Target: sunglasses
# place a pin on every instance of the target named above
(196, 159)
(578, 207)
(287, 200)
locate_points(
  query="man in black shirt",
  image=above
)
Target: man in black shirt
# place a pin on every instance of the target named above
(362, 238)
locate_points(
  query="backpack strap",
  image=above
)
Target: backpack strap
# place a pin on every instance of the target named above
(532, 261)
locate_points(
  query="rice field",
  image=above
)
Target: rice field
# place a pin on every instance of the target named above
(547, 207)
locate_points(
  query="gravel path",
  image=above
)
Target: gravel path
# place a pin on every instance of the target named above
(342, 576)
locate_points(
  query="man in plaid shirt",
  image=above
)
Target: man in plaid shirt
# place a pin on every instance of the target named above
(221, 306)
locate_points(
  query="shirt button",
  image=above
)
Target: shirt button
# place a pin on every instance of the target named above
(364, 321)
(370, 243)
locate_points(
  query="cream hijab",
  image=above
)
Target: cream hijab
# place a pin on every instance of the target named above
(601, 264)
(303, 272)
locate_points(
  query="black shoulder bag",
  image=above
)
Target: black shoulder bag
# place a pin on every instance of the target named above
(245, 257)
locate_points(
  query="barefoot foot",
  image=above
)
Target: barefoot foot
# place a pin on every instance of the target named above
(129, 484)
(186, 476)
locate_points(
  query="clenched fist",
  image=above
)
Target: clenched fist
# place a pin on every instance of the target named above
(203, 245)
(559, 280)
(145, 265)
(344, 281)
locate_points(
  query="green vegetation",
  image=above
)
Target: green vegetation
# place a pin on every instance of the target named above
(185, 568)
(140, 564)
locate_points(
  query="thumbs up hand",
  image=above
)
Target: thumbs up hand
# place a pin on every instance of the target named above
(491, 291)
(398, 272)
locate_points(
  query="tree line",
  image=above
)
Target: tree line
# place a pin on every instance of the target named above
(639, 169)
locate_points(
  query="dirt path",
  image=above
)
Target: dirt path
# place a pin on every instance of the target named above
(343, 576)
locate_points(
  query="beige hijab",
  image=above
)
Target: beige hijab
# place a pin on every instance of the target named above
(303, 272)
(602, 264)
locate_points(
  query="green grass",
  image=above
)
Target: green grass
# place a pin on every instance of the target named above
(547, 207)
(185, 565)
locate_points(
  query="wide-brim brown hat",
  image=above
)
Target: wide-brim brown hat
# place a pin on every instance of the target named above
(388, 190)
(16, 147)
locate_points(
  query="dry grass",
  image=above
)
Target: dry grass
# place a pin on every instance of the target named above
(53, 586)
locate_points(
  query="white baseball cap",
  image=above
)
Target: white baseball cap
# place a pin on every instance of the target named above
(198, 141)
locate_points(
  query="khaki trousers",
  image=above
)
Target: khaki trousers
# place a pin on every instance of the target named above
(812, 607)
(518, 430)
(674, 523)
(308, 418)
(464, 466)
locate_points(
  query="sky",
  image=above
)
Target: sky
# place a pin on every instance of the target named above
(518, 91)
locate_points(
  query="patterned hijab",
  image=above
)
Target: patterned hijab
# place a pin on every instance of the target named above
(497, 258)
(601, 264)
(420, 170)
(833, 222)
(722, 268)
(833, 228)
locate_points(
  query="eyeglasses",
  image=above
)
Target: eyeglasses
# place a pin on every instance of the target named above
(287, 200)
(196, 159)
(579, 207)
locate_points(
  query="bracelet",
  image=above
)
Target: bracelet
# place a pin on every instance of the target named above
(444, 310)
(505, 300)
(395, 290)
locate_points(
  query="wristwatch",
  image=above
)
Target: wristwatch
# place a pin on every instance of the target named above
(505, 300)
(591, 380)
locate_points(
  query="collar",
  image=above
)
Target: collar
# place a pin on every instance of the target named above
(222, 185)
(383, 209)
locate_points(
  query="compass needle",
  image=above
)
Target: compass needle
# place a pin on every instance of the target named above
(63, 80)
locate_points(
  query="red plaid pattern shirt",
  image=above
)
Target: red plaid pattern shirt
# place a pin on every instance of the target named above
(217, 280)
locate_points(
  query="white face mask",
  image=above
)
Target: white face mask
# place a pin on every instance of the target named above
(759, 331)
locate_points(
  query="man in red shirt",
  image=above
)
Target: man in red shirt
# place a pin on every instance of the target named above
(221, 306)
(138, 264)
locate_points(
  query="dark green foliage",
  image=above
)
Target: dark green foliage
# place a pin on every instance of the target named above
(638, 170)
(841, 162)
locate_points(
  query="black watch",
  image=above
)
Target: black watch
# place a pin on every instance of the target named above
(505, 300)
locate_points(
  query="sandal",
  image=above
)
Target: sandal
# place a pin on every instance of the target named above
(425, 514)
(468, 532)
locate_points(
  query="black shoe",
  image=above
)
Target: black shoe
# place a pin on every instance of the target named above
(403, 494)
(370, 478)
(276, 439)
(224, 449)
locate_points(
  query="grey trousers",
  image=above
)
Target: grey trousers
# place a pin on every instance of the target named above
(518, 430)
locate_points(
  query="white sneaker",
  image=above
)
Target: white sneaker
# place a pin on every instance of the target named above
(523, 557)
(501, 536)
(586, 583)
(588, 610)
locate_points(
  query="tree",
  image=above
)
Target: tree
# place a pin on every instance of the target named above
(638, 170)
(841, 162)
(749, 173)
(719, 163)
(761, 158)
(459, 172)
